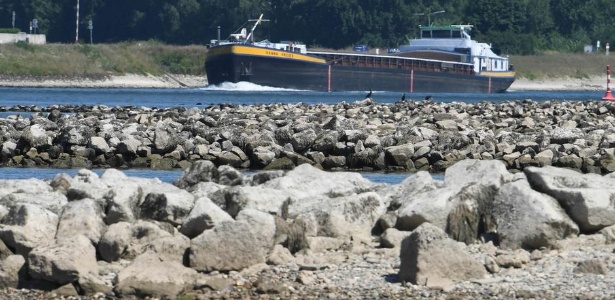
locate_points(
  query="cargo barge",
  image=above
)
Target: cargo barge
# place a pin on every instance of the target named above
(444, 59)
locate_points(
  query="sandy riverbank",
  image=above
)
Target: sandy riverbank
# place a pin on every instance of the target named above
(187, 81)
(121, 81)
(594, 83)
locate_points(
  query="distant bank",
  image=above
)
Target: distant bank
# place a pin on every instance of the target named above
(155, 65)
(111, 81)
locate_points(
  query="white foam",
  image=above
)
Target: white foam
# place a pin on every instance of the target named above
(242, 86)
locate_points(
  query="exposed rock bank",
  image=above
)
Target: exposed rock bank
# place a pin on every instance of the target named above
(481, 233)
(405, 136)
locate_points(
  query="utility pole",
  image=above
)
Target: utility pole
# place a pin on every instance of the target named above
(13, 19)
(77, 24)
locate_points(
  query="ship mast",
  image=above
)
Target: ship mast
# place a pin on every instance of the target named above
(258, 21)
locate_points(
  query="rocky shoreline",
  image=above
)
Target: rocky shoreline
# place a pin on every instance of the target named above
(365, 135)
(481, 233)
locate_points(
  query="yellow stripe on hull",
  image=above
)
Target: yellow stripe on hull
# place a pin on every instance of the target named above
(497, 74)
(264, 52)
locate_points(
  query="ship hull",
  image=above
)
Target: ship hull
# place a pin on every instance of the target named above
(275, 68)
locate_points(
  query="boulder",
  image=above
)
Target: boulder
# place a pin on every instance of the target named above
(233, 246)
(64, 261)
(81, 217)
(234, 199)
(586, 198)
(25, 186)
(12, 271)
(115, 241)
(399, 155)
(152, 276)
(404, 192)
(200, 171)
(307, 181)
(203, 216)
(27, 226)
(428, 257)
(486, 172)
(171, 207)
(50, 200)
(529, 219)
(352, 216)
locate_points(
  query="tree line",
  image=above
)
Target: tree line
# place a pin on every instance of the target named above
(517, 27)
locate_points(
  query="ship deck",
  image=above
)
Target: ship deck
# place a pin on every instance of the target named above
(393, 62)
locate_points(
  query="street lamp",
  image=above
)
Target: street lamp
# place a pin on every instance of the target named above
(428, 14)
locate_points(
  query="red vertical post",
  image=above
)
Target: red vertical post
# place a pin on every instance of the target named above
(412, 81)
(329, 79)
(489, 89)
(608, 95)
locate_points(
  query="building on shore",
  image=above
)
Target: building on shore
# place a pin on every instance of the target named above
(10, 38)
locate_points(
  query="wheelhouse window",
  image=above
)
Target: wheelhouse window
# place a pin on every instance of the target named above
(441, 34)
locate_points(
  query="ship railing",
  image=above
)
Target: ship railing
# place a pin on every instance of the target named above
(395, 62)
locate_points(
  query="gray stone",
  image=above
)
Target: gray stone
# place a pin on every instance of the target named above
(429, 257)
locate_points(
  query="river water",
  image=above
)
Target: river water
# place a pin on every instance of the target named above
(242, 94)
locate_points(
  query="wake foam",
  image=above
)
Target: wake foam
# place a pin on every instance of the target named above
(242, 86)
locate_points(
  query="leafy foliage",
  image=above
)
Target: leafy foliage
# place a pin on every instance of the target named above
(514, 27)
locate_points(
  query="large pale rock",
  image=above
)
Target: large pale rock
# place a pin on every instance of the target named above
(24, 186)
(170, 248)
(34, 136)
(169, 207)
(399, 155)
(230, 176)
(123, 203)
(262, 225)
(50, 200)
(126, 194)
(11, 271)
(233, 246)
(64, 261)
(529, 219)
(87, 184)
(434, 206)
(144, 233)
(99, 144)
(418, 183)
(234, 199)
(204, 215)
(306, 181)
(150, 275)
(27, 226)
(342, 217)
(428, 257)
(83, 217)
(115, 241)
(471, 216)
(199, 171)
(392, 238)
(468, 191)
(587, 198)
(486, 172)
